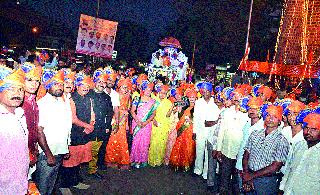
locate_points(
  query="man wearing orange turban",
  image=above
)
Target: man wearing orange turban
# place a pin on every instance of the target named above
(206, 114)
(212, 184)
(83, 119)
(14, 163)
(69, 77)
(33, 75)
(293, 132)
(30, 107)
(102, 107)
(302, 166)
(260, 164)
(115, 99)
(254, 124)
(55, 118)
(265, 93)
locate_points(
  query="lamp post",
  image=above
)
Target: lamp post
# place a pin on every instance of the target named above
(35, 33)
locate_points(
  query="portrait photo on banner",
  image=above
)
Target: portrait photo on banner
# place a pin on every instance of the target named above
(96, 36)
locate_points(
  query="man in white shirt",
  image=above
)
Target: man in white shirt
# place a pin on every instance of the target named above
(14, 163)
(302, 175)
(255, 123)
(112, 77)
(293, 133)
(212, 184)
(55, 119)
(206, 114)
(115, 99)
(229, 140)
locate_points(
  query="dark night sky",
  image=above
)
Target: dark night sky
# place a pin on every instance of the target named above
(154, 14)
(218, 26)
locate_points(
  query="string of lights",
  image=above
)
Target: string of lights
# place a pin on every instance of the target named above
(297, 29)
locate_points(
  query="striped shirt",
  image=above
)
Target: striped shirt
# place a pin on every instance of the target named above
(264, 150)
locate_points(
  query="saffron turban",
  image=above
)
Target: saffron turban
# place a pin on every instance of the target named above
(284, 104)
(100, 75)
(190, 93)
(275, 111)
(125, 82)
(266, 91)
(146, 85)
(296, 106)
(68, 74)
(51, 77)
(111, 73)
(176, 91)
(312, 120)
(32, 71)
(10, 77)
(83, 79)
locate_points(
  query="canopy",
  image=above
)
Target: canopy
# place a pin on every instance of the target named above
(170, 42)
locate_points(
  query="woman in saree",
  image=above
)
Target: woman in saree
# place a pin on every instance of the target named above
(160, 128)
(176, 97)
(143, 112)
(183, 152)
(117, 152)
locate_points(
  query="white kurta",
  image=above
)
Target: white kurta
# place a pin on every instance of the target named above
(302, 175)
(14, 152)
(230, 134)
(203, 111)
(287, 133)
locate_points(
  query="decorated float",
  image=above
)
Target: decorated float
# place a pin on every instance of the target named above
(169, 62)
(297, 50)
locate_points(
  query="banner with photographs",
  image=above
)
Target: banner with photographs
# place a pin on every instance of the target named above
(96, 36)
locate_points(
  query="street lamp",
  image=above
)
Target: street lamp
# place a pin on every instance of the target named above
(35, 29)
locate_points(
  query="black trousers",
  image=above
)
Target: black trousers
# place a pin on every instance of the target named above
(229, 184)
(70, 176)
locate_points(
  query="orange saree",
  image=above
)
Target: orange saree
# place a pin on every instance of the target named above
(183, 152)
(117, 153)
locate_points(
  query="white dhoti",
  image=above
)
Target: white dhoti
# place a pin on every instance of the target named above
(203, 111)
(201, 162)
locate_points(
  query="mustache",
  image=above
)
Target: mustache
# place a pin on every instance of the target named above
(16, 98)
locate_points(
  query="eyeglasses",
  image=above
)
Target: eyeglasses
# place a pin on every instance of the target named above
(310, 129)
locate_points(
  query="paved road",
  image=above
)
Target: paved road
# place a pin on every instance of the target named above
(159, 180)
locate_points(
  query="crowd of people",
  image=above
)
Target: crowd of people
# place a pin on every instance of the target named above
(241, 140)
